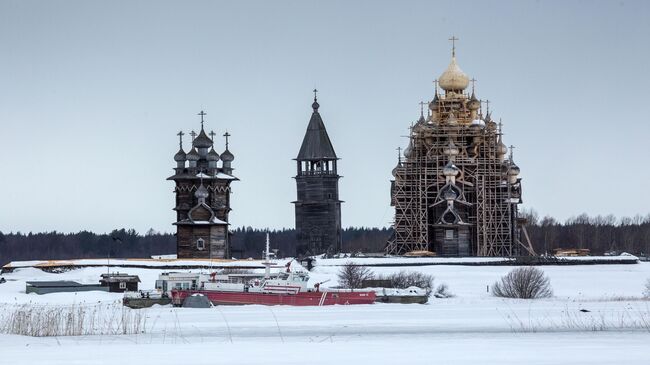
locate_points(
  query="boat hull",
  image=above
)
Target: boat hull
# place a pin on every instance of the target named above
(299, 299)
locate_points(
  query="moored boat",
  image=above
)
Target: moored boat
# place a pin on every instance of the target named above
(288, 288)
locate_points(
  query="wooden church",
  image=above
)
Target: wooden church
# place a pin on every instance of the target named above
(202, 190)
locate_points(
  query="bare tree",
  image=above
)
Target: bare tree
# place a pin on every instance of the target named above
(524, 283)
(405, 279)
(351, 276)
(443, 292)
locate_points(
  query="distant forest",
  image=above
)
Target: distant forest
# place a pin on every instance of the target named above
(246, 242)
(600, 234)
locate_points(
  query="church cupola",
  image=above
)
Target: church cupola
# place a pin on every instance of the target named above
(474, 104)
(213, 158)
(513, 169)
(180, 156)
(201, 193)
(453, 80)
(227, 157)
(202, 142)
(501, 147)
(192, 157)
(399, 162)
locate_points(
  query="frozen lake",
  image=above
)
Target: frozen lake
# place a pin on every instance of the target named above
(596, 316)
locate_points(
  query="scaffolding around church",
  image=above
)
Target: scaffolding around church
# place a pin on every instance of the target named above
(456, 193)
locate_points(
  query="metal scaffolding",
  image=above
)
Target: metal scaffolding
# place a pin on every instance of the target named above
(455, 134)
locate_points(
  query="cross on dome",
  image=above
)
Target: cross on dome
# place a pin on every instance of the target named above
(315, 104)
(202, 114)
(453, 40)
(180, 135)
(422, 104)
(193, 134)
(226, 135)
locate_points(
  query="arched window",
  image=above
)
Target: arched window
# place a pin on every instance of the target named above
(200, 244)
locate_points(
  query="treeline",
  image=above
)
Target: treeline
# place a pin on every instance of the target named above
(249, 242)
(84, 244)
(600, 234)
(246, 242)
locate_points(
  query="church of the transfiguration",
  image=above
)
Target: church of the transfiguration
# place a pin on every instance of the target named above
(317, 207)
(456, 191)
(202, 178)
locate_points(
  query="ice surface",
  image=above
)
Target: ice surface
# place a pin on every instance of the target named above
(471, 328)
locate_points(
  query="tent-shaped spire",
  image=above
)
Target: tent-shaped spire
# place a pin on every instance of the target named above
(316, 145)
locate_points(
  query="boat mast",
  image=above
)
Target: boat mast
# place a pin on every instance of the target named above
(267, 263)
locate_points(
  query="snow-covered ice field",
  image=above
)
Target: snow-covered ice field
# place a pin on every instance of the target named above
(471, 328)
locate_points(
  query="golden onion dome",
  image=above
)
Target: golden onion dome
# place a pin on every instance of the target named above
(453, 78)
(501, 147)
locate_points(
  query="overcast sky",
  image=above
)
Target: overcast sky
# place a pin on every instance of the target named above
(93, 93)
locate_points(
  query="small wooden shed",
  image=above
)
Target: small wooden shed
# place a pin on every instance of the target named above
(119, 282)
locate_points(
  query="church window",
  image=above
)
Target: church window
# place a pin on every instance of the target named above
(200, 244)
(449, 234)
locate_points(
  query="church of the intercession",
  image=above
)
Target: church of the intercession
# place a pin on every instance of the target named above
(202, 178)
(456, 191)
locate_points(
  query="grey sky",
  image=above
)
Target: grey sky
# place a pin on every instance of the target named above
(93, 93)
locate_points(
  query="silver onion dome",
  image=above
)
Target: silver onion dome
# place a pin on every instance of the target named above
(450, 169)
(213, 155)
(514, 169)
(227, 156)
(202, 140)
(193, 155)
(180, 156)
(451, 149)
(201, 193)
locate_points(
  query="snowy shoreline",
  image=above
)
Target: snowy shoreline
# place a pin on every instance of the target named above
(388, 261)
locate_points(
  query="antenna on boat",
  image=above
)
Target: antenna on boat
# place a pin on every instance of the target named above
(267, 263)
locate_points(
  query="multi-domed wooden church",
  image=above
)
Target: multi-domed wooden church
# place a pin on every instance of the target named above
(456, 191)
(202, 178)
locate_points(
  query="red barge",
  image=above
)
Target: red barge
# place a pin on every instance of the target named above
(288, 288)
(313, 298)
